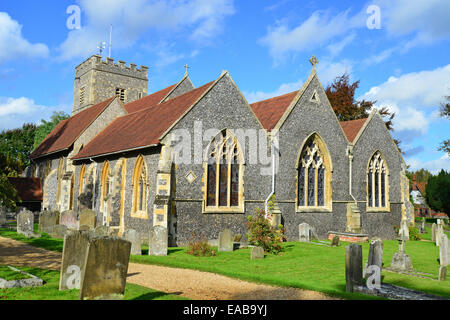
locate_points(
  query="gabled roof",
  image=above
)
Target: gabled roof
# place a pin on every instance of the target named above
(149, 100)
(28, 189)
(270, 111)
(143, 128)
(352, 128)
(67, 131)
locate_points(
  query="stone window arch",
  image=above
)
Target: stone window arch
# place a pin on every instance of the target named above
(140, 188)
(223, 173)
(314, 192)
(377, 183)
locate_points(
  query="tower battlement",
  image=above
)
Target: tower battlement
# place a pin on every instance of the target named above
(97, 80)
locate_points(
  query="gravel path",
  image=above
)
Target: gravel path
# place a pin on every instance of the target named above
(192, 284)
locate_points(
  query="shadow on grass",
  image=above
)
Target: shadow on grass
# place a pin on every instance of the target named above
(156, 295)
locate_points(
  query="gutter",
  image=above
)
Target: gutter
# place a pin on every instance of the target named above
(114, 152)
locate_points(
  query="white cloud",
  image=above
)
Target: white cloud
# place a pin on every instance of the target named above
(13, 45)
(434, 166)
(199, 20)
(320, 28)
(328, 70)
(14, 112)
(282, 89)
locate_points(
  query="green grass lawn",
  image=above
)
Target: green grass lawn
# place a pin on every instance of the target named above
(301, 265)
(8, 274)
(50, 291)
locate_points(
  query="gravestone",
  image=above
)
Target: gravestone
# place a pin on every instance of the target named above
(58, 231)
(134, 237)
(439, 233)
(47, 220)
(102, 231)
(442, 276)
(257, 253)
(105, 269)
(225, 242)
(87, 218)
(336, 241)
(375, 255)
(304, 232)
(404, 230)
(158, 241)
(69, 218)
(2, 217)
(73, 258)
(25, 223)
(353, 266)
(433, 232)
(401, 261)
(84, 227)
(422, 226)
(444, 251)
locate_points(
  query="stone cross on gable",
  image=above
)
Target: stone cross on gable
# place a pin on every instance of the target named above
(187, 67)
(314, 61)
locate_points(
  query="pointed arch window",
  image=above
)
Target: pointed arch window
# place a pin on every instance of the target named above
(314, 176)
(140, 189)
(377, 183)
(224, 175)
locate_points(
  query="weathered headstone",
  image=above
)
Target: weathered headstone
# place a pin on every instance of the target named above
(439, 233)
(335, 241)
(105, 269)
(84, 227)
(69, 218)
(2, 217)
(73, 259)
(442, 276)
(422, 226)
(353, 266)
(158, 241)
(225, 242)
(401, 261)
(444, 251)
(102, 231)
(375, 255)
(58, 231)
(25, 223)
(87, 217)
(433, 232)
(304, 232)
(135, 239)
(404, 230)
(47, 220)
(257, 253)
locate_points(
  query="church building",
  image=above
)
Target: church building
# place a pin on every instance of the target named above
(201, 159)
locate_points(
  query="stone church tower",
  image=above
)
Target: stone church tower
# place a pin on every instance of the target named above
(97, 80)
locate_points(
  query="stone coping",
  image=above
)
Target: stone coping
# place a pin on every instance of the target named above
(33, 281)
(349, 237)
(397, 293)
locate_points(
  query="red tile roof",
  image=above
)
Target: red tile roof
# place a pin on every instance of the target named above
(270, 111)
(149, 100)
(67, 131)
(352, 127)
(29, 189)
(142, 128)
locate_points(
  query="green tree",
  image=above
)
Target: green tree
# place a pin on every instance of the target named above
(47, 126)
(16, 146)
(8, 194)
(341, 94)
(445, 113)
(437, 192)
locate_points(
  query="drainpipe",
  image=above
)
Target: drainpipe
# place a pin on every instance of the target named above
(273, 179)
(350, 158)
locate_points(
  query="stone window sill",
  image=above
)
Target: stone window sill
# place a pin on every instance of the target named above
(314, 209)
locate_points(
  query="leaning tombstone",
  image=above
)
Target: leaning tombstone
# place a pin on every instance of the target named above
(105, 269)
(257, 253)
(87, 217)
(73, 259)
(375, 255)
(69, 218)
(158, 241)
(135, 239)
(225, 242)
(102, 231)
(353, 266)
(25, 223)
(444, 251)
(47, 220)
(304, 232)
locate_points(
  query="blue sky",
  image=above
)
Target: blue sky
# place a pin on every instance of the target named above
(402, 62)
